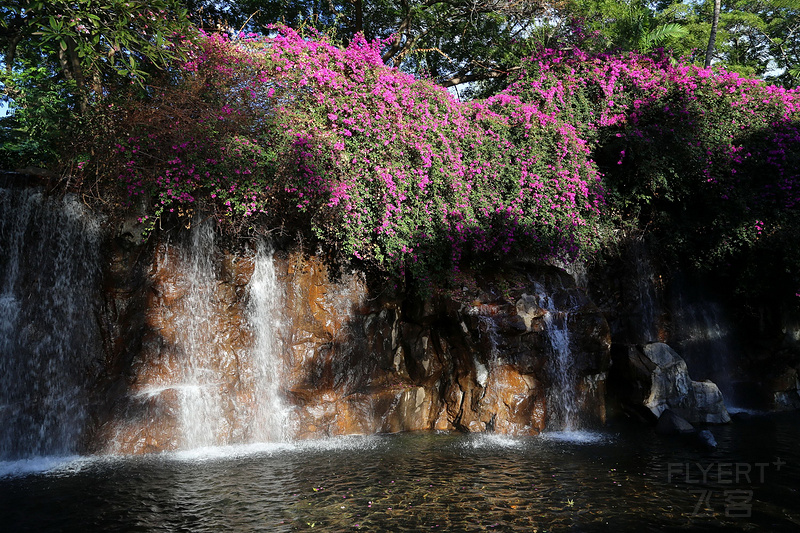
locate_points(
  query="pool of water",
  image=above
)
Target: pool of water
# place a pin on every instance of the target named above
(616, 479)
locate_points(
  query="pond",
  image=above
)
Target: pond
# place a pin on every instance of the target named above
(615, 479)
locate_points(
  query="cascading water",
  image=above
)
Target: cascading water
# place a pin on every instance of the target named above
(201, 398)
(646, 294)
(227, 374)
(704, 338)
(264, 314)
(49, 338)
(488, 330)
(562, 398)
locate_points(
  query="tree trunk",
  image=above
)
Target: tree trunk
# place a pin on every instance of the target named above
(77, 73)
(712, 40)
(359, 9)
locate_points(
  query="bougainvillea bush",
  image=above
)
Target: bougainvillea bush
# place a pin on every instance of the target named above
(378, 166)
(392, 171)
(707, 161)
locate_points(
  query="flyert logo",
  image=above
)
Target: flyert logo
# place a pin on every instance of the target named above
(738, 502)
(722, 473)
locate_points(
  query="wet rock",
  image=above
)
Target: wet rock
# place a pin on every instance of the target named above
(414, 409)
(741, 416)
(786, 390)
(513, 403)
(669, 423)
(655, 376)
(151, 419)
(528, 310)
(706, 404)
(352, 362)
(706, 439)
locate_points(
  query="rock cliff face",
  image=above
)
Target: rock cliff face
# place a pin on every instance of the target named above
(750, 351)
(111, 346)
(480, 358)
(476, 361)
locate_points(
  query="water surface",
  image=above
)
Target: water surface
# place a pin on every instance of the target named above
(618, 479)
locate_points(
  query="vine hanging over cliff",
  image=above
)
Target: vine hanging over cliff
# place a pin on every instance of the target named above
(392, 172)
(378, 166)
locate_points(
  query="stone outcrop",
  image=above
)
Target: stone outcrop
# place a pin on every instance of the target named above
(785, 390)
(670, 423)
(653, 379)
(474, 359)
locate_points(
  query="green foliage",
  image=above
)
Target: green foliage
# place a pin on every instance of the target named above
(88, 38)
(709, 169)
(754, 39)
(450, 42)
(61, 57)
(629, 25)
(37, 120)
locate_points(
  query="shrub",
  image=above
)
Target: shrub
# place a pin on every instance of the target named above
(378, 166)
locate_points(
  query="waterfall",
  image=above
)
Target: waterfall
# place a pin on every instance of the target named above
(228, 358)
(562, 398)
(264, 315)
(49, 337)
(704, 338)
(647, 308)
(201, 396)
(489, 336)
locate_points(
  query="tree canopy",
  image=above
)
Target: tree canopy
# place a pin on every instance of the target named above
(86, 41)
(760, 38)
(60, 55)
(463, 41)
(452, 42)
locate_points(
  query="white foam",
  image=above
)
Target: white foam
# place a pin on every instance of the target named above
(576, 437)
(347, 442)
(42, 465)
(74, 463)
(151, 392)
(211, 453)
(490, 440)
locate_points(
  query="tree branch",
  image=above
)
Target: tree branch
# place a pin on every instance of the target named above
(358, 5)
(401, 32)
(466, 77)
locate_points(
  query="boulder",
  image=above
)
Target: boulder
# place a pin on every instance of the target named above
(655, 377)
(669, 423)
(707, 404)
(706, 439)
(785, 390)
